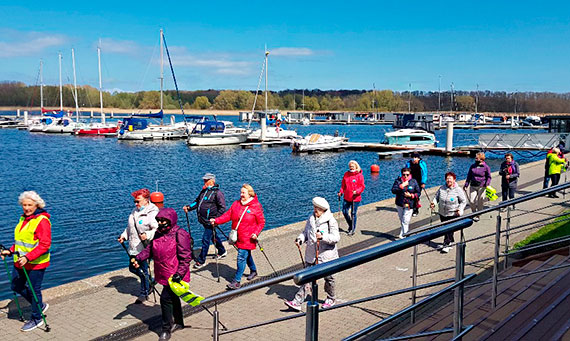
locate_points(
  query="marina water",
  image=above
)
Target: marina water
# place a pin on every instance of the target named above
(86, 183)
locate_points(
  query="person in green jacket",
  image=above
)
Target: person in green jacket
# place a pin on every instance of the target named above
(556, 166)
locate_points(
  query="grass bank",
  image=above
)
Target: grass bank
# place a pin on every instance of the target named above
(557, 229)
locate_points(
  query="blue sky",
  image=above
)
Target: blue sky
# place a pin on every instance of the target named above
(508, 46)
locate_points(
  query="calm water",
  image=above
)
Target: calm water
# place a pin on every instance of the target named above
(86, 183)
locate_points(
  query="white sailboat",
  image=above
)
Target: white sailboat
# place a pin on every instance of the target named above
(315, 142)
(137, 127)
(216, 133)
(264, 133)
(65, 125)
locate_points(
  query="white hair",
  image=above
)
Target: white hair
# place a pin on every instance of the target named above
(32, 195)
(358, 169)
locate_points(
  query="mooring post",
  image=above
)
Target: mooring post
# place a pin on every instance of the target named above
(449, 141)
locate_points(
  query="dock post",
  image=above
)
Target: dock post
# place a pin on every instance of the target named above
(112, 114)
(449, 141)
(263, 124)
(26, 117)
(18, 113)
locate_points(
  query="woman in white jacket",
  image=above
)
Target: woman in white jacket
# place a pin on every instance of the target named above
(321, 230)
(141, 220)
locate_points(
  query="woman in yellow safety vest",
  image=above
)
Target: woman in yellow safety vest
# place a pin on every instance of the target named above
(32, 241)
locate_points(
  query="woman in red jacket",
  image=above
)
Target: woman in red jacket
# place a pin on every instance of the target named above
(352, 187)
(31, 251)
(247, 218)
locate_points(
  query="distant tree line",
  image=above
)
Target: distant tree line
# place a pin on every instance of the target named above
(18, 94)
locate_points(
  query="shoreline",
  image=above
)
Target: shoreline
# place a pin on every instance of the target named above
(135, 110)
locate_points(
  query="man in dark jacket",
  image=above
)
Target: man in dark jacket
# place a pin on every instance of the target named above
(210, 203)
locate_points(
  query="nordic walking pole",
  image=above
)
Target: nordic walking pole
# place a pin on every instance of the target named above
(34, 294)
(225, 235)
(301, 254)
(339, 209)
(10, 277)
(317, 251)
(215, 248)
(263, 251)
(190, 231)
(431, 208)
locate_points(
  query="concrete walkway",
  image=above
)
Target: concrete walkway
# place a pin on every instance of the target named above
(103, 306)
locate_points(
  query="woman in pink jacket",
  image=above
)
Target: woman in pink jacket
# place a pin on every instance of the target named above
(352, 187)
(247, 218)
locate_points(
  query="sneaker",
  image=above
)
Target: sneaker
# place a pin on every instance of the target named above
(233, 285)
(476, 218)
(198, 265)
(252, 275)
(176, 327)
(351, 233)
(445, 249)
(293, 305)
(141, 299)
(45, 308)
(165, 335)
(400, 236)
(223, 255)
(31, 325)
(329, 302)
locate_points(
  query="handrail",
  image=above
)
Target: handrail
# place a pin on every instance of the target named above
(408, 309)
(358, 258)
(342, 305)
(502, 204)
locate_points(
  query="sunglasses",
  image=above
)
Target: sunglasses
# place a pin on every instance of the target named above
(405, 174)
(137, 201)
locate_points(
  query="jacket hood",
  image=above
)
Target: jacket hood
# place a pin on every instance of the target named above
(170, 214)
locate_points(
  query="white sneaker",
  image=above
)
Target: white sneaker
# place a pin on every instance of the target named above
(329, 302)
(446, 249)
(400, 236)
(223, 255)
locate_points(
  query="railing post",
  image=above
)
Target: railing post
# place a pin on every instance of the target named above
(414, 282)
(507, 228)
(496, 262)
(216, 334)
(312, 328)
(458, 292)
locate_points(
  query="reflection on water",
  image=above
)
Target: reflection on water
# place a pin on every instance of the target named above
(87, 182)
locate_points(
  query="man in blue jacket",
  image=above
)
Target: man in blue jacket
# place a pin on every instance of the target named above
(418, 168)
(210, 203)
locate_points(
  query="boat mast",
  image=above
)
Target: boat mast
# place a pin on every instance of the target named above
(266, 68)
(263, 118)
(410, 98)
(477, 100)
(100, 82)
(60, 86)
(451, 98)
(75, 86)
(439, 96)
(41, 84)
(161, 71)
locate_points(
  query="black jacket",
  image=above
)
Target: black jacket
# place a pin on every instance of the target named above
(210, 203)
(412, 188)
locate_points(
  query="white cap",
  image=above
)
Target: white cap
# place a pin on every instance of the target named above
(321, 203)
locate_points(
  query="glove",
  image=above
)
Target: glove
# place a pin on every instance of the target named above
(176, 278)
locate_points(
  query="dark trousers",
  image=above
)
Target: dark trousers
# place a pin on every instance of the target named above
(349, 209)
(20, 285)
(171, 309)
(508, 192)
(207, 238)
(555, 179)
(448, 237)
(142, 272)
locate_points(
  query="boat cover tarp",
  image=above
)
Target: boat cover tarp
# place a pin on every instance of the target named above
(159, 114)
(55, 114)
(209, 127)
(135, 123)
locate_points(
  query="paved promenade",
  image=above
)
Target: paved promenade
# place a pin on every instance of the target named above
(103, 306)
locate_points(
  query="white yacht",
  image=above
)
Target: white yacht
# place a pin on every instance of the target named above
(315, 142)
(216, 133)
(410, 137)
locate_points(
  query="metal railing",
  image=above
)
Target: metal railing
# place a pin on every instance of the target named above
(413, 239)
(505, 207)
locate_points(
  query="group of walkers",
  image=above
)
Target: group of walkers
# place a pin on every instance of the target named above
(152, 231)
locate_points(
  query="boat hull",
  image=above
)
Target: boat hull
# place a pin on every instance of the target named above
(216, 139)
(153, 133)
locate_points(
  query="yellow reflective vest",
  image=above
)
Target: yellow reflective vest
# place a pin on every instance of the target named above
(25, 240)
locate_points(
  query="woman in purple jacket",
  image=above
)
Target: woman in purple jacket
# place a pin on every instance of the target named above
(171, 252)
(478, 178)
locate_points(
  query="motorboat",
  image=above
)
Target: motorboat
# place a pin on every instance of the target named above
(62, 125)
(97, 129)
(273, 133)
(410, 137)
(139, 127)
(6, 122)
(216, 133)
(315, 142)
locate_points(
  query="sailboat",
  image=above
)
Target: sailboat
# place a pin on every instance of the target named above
(216, 133)
(98, 128)
(268, 133)
(138, 127)
(49, 117)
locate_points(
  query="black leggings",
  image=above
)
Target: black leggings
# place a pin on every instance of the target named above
(555, 178)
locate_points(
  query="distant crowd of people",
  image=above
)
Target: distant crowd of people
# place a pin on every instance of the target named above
(152, 231)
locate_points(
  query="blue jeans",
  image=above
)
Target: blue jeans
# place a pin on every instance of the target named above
(142, 272)
(350, 217)
(206, 239)
(20, 285)
(244, 256)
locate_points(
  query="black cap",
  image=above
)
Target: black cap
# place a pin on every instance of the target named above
(416, 154)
